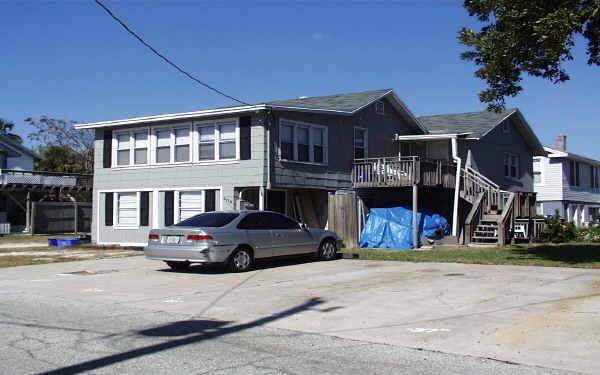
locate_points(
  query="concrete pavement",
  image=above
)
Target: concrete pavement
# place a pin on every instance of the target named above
(546, 317)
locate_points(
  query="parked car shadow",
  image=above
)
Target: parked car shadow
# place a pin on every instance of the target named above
(259, 265)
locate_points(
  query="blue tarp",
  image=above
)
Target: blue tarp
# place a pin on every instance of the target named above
(391, 228)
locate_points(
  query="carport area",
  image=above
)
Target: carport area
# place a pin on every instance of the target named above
(548, 317)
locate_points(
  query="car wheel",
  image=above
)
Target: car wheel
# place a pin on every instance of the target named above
(327, 250)
(241, 260)
(178, 266)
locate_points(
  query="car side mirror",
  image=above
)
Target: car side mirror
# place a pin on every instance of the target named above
(303, 226)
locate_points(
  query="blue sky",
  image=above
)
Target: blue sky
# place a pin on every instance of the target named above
(70, 60)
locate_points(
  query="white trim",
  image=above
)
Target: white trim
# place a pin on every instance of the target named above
(123, 244)
(421, 137)
(165, 165)
(115, 147)
(171, 117)
(116, 201)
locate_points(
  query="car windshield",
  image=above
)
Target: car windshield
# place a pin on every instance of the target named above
(212, 219)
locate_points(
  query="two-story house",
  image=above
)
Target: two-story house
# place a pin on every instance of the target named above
(567, 183)
(283, 156)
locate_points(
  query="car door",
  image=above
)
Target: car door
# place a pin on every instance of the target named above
(258, 234)
(288, 236)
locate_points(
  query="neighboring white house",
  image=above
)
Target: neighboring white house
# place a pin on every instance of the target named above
(568, 183)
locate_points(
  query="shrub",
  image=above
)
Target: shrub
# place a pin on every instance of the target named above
(557, 232)
(591, 234)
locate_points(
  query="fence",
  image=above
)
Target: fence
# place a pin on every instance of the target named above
(61, 217)
(343, 218)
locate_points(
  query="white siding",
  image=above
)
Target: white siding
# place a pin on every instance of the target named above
(551, 187)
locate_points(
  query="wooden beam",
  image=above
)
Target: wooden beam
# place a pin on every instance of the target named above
(15, 200)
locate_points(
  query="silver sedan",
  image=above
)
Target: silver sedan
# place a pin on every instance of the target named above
(237, 239)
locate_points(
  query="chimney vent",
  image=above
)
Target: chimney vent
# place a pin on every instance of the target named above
(561, 143)
(303, 97)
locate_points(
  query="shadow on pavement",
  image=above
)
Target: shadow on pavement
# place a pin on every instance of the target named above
(199, 330)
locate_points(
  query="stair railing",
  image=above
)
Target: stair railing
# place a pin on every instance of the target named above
(506, 220)
(475, 183)
(474, 216)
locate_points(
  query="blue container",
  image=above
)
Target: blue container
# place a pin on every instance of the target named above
(52, 242)
(62, 242)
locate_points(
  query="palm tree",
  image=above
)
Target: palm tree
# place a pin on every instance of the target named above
(5, 127)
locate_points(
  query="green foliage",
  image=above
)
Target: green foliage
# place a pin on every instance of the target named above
(59, 159)
(58, 137)
(531, 36)
(5, 127)
(558, 232)
(591, 234)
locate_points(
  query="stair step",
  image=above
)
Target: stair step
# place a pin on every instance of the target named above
(484, 238)
(493, 218)
(484, 226)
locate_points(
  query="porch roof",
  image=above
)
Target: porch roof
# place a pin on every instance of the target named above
(429, 137)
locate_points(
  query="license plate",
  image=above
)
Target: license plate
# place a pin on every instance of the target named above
(172, 239)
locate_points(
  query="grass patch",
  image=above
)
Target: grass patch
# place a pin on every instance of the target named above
(24, 237)
(580, 255)
(43, 255)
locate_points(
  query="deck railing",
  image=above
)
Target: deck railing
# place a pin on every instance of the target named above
(71, 181)
(391, 171)
(402, 171)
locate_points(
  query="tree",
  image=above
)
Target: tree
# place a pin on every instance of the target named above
(56, 137)
(531, 36)
(5, 127)
(59, 159)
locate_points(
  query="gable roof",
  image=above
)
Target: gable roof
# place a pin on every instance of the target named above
(554, 153)
(479, 124)
(17, 147)
(346, 103)
(339, 104)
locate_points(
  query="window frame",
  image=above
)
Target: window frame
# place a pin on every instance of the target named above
(131, 133)
(510, 156)
(216, 140)
(574, 174)
(294, 124)
(116, 205)
(365, 142)
(380, 104)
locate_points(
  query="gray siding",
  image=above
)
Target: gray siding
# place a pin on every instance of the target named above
(336, 174)
(488, 158)
(240, 173)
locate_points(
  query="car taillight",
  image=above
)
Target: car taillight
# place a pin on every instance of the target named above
(199, 237)
(154, 237)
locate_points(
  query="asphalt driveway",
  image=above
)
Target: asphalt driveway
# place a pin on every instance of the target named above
(547, 317)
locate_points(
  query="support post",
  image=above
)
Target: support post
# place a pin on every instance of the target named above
(28, 213)
(33, 210)
(75, 218)
(415, 217)
(261, 198)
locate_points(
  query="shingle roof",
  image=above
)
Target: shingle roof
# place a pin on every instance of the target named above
(475, 123)
(340, 102)
(18, 147)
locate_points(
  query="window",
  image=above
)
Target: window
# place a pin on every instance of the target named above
(140, 153)
(594, 177)
(123, 149)
(126, 213)
(218, 140)
(182, 145)
(317, 141)
(379, 107)
(303, 145)
(227, 149)
(163, 146)
(287, 142)
(506, 127)
(511, 165)
(573, 173)
(206, 145)
(303, 142)
(131, 147)
(537, 177)
(190, 204)
(360, 143)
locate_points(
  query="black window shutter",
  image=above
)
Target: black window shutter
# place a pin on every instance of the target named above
(209, 200)
(107, 151)
(108, 209)
(245, 152)
(144, 208)
(169, 207)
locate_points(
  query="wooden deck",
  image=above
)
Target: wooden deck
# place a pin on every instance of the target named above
(19, 180)
(402, 171)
